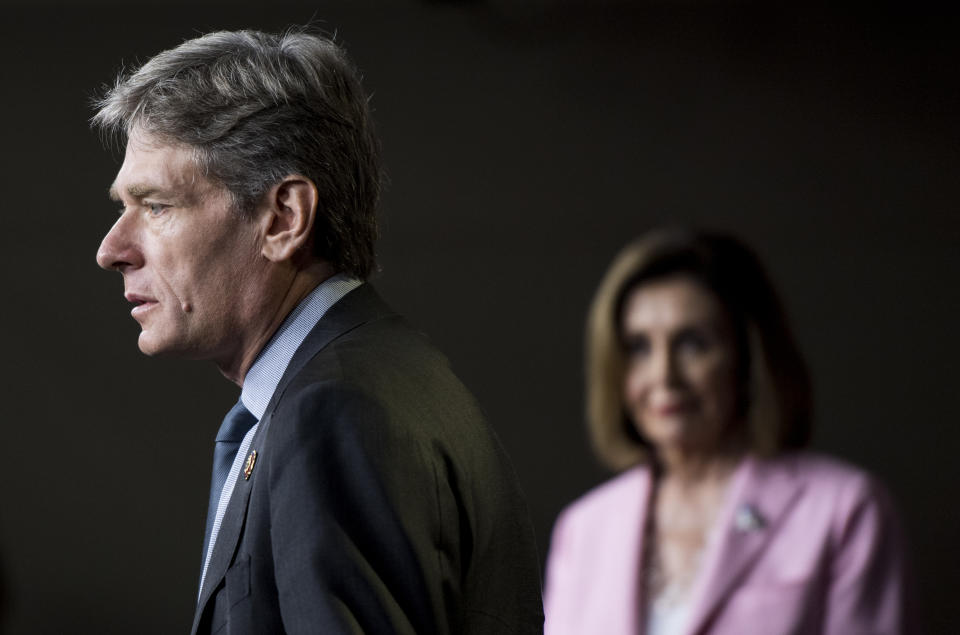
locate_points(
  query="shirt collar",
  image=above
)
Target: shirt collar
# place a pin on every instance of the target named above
(263, 377)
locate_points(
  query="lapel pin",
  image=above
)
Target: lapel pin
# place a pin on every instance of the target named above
(248, 466)
(747, 518)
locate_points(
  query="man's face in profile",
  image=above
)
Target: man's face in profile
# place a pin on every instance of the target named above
(187, 258)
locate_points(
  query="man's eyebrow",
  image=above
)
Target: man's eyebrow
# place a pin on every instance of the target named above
(135, 191)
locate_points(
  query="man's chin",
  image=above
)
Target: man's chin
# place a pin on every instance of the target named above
(147, 349)
(151, 347)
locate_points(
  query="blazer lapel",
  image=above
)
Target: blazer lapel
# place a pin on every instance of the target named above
(758, 500)
(357, 307)
(633, 557)
(228, 538)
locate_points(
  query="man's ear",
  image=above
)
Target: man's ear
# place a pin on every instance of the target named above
(288, 215)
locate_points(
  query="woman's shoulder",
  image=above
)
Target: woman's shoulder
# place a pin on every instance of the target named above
(815, 467)
(826, 478)
(627, 489)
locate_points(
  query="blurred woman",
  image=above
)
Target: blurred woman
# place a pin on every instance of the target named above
(718, 521)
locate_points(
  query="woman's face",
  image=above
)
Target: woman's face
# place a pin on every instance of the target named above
(681, 378)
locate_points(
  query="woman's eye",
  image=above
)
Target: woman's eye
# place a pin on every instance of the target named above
(692, 342)
(636, 345)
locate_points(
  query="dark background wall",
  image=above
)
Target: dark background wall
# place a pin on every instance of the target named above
(526, 143)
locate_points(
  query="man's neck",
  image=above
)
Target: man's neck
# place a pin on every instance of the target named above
(299, 286)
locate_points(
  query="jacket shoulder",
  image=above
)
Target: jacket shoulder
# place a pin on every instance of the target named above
(625, 491)
(831, 485)
(823, 472)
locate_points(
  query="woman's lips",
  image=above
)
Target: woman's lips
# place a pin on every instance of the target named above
(672, 409)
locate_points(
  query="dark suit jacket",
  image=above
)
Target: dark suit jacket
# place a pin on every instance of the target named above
(379, 502)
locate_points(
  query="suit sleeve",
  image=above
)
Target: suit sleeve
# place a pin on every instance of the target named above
(870, 589)
(352, 513)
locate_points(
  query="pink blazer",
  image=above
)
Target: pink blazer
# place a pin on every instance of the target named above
(806, 545)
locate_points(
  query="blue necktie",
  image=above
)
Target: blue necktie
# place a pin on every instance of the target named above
(234, 427)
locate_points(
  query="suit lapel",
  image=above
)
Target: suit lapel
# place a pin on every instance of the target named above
(759, 498)
(228, 537)
(357, 307)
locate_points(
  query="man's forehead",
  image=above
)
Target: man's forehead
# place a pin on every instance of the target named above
(151, 167)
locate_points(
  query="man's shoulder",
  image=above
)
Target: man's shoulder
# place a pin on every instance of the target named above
(386, 370)
(362, 329)
(383, 353)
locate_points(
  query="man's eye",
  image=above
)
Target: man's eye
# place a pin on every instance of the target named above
(156, 208)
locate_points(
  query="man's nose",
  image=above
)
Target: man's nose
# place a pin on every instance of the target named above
(119, 249)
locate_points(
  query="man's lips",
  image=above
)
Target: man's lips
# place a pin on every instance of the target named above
(141, 302)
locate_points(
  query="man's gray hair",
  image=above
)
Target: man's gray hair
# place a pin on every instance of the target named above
(257, 107)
